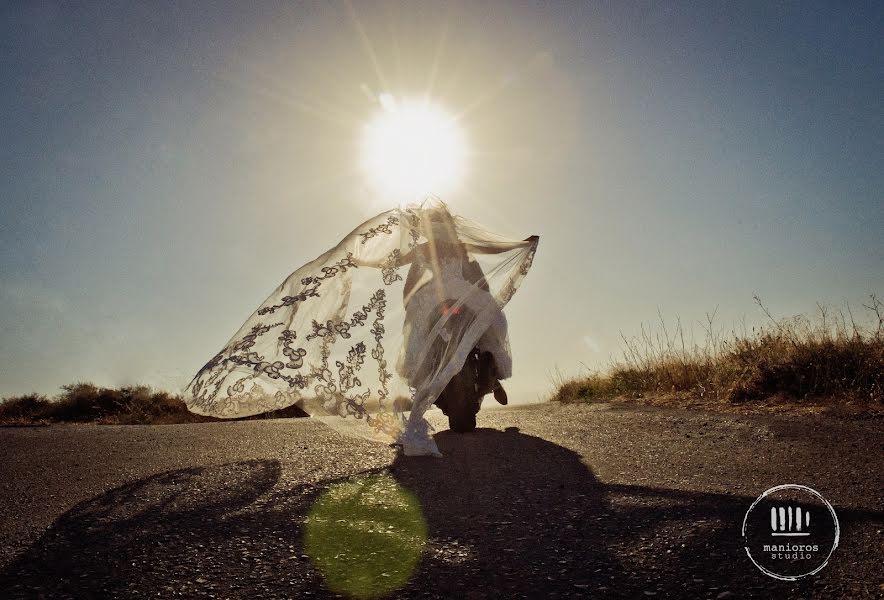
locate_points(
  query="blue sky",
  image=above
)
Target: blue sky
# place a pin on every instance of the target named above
(163, 168)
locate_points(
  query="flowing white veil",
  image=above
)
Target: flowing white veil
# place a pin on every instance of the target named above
(352, 334)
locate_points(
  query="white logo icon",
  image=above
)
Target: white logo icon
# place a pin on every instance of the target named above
(783, 524)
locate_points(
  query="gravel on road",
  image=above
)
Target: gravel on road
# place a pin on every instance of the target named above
(542, 501)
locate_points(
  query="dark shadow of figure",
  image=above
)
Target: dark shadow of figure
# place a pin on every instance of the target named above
(185, 533)
(509, 515)
(516, 516)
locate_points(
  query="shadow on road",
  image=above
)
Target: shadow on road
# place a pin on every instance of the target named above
(509, 515)
(525, 517)
(153, 537)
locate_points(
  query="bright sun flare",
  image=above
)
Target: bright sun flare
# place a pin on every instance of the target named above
(412, 149)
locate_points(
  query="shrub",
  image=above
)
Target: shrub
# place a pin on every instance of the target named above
(797, 358)
(30, 407)
(128, 405)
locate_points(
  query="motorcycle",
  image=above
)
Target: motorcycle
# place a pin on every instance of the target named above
(461, 399)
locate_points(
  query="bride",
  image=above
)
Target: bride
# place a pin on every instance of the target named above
(322, 338)
(444, 281)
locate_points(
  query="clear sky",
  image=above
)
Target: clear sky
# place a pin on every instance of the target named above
(163, 166)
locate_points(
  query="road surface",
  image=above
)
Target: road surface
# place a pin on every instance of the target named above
(548, 500)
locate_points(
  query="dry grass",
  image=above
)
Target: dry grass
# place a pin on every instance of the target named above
(831, 358)
(87, 403)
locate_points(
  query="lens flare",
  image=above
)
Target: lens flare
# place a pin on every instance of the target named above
(366, 536)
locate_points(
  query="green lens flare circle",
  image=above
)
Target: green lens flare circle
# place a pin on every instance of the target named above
(365, 536)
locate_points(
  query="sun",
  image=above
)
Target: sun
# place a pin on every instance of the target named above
(413, 148)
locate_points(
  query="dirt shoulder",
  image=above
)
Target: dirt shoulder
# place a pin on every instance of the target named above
(828, 407)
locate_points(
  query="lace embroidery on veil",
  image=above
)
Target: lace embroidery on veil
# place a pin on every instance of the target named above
(325, 338)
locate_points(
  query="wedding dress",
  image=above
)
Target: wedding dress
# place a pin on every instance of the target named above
(323, 338)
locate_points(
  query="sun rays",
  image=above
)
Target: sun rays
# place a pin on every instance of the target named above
(383, 114)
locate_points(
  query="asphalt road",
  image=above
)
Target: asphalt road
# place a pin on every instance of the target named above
(541, 501)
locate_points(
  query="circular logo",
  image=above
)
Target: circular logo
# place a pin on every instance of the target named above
(790, 532)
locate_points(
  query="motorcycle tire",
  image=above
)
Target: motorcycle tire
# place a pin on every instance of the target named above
(460, 398)
(462, 422)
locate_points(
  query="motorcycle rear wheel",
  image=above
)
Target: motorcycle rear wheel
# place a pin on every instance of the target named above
(460, 399)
